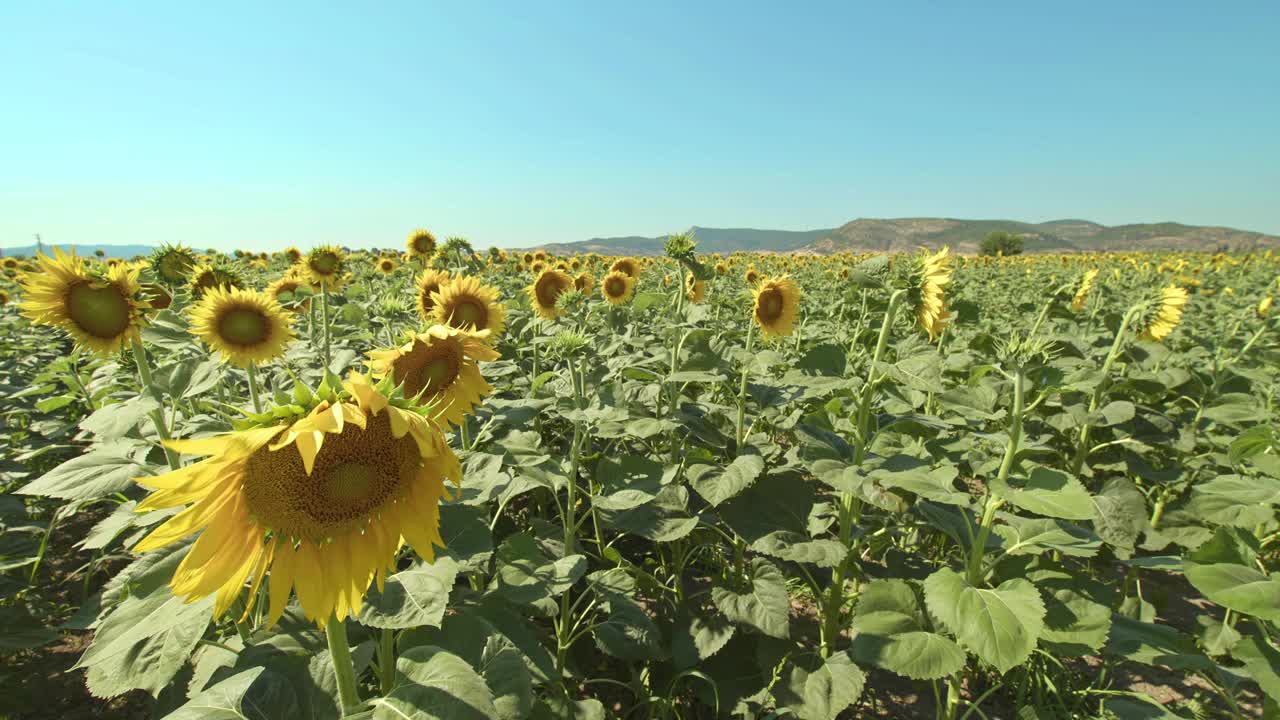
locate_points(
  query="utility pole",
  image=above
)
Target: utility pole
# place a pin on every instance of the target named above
(39, 244)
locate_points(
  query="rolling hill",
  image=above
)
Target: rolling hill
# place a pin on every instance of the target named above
(906, 234)
(113, 251)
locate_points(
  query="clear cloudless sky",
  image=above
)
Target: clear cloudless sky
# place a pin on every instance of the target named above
(258, 125)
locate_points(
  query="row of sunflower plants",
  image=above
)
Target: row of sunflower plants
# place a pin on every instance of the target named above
(439, 484)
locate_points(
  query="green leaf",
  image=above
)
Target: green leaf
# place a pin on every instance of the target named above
(818, 689)
(998, 625)
(1120, 515)
(765, 606)
(1138, 707)
(628, 482)
(525, 575)
(1114, 413)
(697, 637)
(144, 642)
(716, 485)
(663, 519)
(896, 641)
(1152, 644)
(114, 421)
(433, 684)
(20, 631)
(1074, 625)
(1051, 493)
(1262, 660)
(628, 633)
(1237, 587)
(503, 669)
(413, 597)
(1039, 535)
(255, 694)
(105, 470)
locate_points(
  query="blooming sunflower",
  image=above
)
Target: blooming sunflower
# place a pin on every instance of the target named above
(326, 265)
(293, 254)
(527, 258)
(722, 269)
(429, 283)
(776, 306)
(929, 300)
(386, 266)
(544, 291)
(421, 244)
(697, 289)
(1168, 314)
(246, 326)
(440, 369)
(584, 283)
(1082, 295)
(10, 263)
(752, 276)
(540, 256)
(323, 501)
(100, 307)
(537, 267)
(207, 276)
(173, 263)
(626, 265)
(617, 287)
(466, 304)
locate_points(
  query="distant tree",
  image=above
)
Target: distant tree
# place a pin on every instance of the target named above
(1000, 242)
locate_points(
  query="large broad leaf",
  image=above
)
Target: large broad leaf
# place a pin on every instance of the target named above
(1051, 493)
(503, 669)
(1262, 660)
(1153, 644)
(697, 637)
(114, 421)
(1120, 515)
(716, 485)
(796, 547)
(107, 469)
(999, 625)
(1075, 624)
(526, 575)
(1037, 536)
(628, 482)
(433, 684)
(255, 694)
(628, 633)
(818, 689)
(144, 643)
(413, 597)
(765, 606)
(466, 534)
(895, 641)
(663, 519)
(1237, 587)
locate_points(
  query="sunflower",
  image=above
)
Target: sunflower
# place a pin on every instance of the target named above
(626, 265)
(386, 266)
(466, 304)
(527, 258)
(10, 263)
(173, 263)
(207, 276)
(537, 267)
(722, 269)
(752, 276)
(439, 369)
(776, 306)
(617, 288)
(1264, 306)
(101, 308)
(421, 244)
(293, 254)
(697, 289)
(544, 291)
(575, 264)
(540, 256)
(4, 298)
(326, 265)
(246, 326)
(1168, 314)
(429, 283)
(932, 274)
(323, 501)
(584, 283)
(1082, 295)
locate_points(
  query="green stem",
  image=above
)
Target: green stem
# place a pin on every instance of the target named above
(75, 379)
(387, 661)
(868, 388)
(742, 388)
(992, 503)
(157, 415)
(1082, 446)
(343, 669)
(1044, 312)
(253, 387)
(324, 320)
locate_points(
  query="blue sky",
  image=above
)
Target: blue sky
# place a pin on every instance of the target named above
(260, 125)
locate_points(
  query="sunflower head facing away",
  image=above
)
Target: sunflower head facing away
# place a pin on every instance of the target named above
(429, 283)
(322, 499)
(617, 288)
(421, 244)
(695, 289)
(627, 265)
(776, 306)
(466, 304)
(440, 369)
(929, 276)
(173, 263)
(326, 266)
(545, 290)
(584, 283)
(207, 276)
(1082, 294)
(1167, 314)
(100, 307)
(245, 326)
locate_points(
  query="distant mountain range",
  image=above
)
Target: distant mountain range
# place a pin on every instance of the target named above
(907, 234)
(112, 251)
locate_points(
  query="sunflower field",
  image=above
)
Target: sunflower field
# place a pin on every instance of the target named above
(432, 483)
